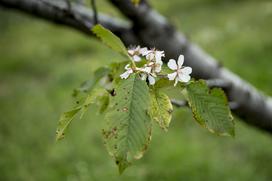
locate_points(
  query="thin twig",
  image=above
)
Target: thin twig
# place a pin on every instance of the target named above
(68, 5)
(184, 103)
(93, 3)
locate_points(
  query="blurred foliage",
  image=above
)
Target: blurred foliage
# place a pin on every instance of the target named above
(40, 65)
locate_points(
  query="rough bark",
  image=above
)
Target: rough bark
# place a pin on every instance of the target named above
(151, 29)
(75, 16)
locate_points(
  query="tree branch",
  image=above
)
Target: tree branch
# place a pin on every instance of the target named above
(151, 29)
(73, 15)
(184, 103)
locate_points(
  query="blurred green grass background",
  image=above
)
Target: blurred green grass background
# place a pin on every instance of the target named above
(40, 65)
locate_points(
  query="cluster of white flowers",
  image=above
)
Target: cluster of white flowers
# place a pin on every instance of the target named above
(153, 66)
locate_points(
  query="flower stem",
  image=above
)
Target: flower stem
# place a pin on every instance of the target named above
(133, 63)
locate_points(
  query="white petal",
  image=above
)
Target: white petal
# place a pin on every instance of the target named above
(151, 80)
(180, 61)
(147, 69)
(172, 76)
(159, 55)
(136, 58)
(138, 48)
(131, 51)
(172, 64)
(158, 68)
(130, 71)
(186, 70)
(125, 75)
(184, 77)
(157, 58)
(159, 62)
(143, 51)
(150, 56)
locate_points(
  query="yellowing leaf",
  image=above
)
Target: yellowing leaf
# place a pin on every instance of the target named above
(65, 121)
(161, 108)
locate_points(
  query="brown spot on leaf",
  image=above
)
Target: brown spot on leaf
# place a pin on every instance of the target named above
(145, 147)
(125, 109)
(106, 134)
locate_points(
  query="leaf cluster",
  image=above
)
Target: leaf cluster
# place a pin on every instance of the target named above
(132, 106)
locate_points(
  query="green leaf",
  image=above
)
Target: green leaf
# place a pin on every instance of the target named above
(163, 83)
(104, 102)
(117, 69)
(210, 108)
(161, 108)
(109, 39)
(90, 84)
(101, 72)
(128, 125)
(94, 97)
(65, 121)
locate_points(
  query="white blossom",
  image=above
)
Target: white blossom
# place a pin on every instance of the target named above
(155, 60)
(147, 73)
(155, 66)
(154, 55)
(181, 74)
(136, 52)
(128, 71)
(149, 70)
